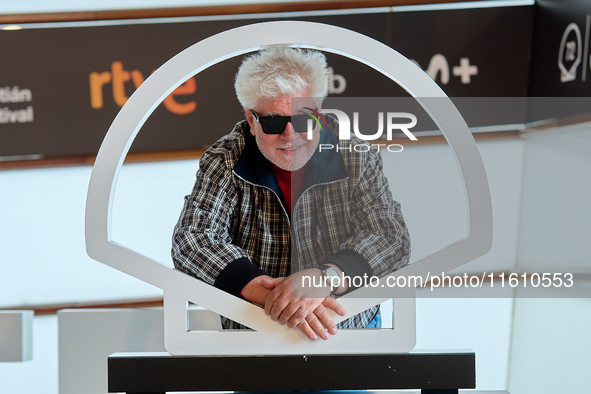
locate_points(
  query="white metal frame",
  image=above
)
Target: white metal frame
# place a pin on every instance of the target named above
(269, 337)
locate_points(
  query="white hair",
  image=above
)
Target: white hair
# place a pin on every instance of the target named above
(280, 70)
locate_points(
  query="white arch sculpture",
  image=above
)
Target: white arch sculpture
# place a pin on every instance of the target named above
(269, 337)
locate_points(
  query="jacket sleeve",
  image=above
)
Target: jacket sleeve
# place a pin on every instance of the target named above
(381, 243)
(202, 245)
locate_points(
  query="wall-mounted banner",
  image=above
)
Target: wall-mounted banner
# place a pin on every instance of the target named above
(561, 63)
(61, 85)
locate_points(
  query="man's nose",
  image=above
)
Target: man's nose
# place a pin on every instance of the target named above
(289, 133)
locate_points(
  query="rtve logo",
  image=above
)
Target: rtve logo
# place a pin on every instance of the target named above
(118, 77)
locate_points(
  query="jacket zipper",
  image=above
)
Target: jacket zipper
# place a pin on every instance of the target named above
(272, 191)
(294, 239)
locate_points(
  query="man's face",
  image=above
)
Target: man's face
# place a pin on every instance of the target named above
(289, 150)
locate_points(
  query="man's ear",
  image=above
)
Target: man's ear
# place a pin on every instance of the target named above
(250, 120)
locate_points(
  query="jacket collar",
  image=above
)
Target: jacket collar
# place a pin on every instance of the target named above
(325, 166)
(252, 166)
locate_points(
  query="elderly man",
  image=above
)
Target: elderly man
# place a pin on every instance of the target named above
(269, 208)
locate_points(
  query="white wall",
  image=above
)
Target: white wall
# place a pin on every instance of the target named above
(551, 343)
(42, 252)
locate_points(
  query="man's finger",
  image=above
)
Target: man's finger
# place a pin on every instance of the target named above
(271, 299)
(333, 304)
(317, 326)
(290, 311)
(307, 330)
(295, 319)
(322, 314)
(278, 307)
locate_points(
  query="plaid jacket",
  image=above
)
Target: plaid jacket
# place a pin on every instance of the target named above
(234, 225)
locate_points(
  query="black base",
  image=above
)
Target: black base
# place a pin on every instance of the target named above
(433, 372)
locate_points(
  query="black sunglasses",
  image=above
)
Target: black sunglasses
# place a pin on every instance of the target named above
(277, 124)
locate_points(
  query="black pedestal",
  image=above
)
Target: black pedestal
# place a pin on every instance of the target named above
(433, 372)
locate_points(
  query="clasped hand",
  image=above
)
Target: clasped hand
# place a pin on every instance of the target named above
(292, 304)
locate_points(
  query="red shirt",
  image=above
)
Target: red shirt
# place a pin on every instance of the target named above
(290, 183)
